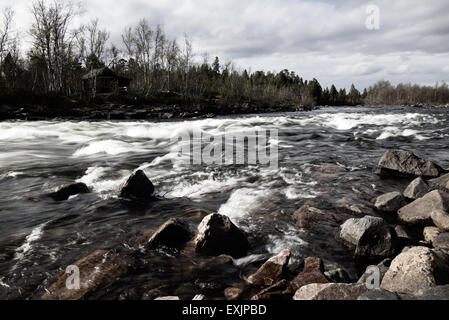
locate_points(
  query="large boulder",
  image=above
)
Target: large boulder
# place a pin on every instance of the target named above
(372, 237)
(271, 271)
(330, 291)
(277, 291)
(401, 163)
(419, 212)
(416, 189)
(71, 190)
(217, 235)
(96, 271)
(441, 182)
(311, 273)
(390, 202)
(137, 187)
(174, 234)
(308, 217)
(415, 269)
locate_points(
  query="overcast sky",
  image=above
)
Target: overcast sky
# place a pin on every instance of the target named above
(324, 39)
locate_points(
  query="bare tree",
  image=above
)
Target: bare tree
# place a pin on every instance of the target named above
(5, 32)
(97, 39)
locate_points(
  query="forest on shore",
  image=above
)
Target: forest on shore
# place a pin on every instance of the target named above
(61, 53)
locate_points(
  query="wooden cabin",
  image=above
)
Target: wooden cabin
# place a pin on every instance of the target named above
(104, 81)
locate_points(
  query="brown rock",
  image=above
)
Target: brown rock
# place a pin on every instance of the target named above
(330, 291)
(390, 202)
(417, 188)
(441, 182)
(308, 217)
(271, 271)
(174, 233)
(278, 291)
(419, 211)
(313, 272)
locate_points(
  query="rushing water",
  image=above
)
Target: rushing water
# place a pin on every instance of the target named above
(40, 237)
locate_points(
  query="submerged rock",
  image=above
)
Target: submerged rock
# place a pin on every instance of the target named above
(311, 273)
(350, 207)
(390, 202)
(271, 271)
(416, 269)
(71, 190)
(330, 291)
(137, 187)
(174, 234)
(419, 212)
(96, 271)
(217, 235)
(308, 217)
(401, 163)
(416, 189)
(372, 237)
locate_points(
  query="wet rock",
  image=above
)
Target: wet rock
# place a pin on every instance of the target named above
(271, 271)
(430, 234)
(383, 268)
(71, 190)
(174, 234)
(419, 212)
(349, 207)
(96, 271)
(433, 294)
(418, 188)
(217, 235)
(390, 202)
(441, 182)
(372, 237)
(401, 163)
(311, 273)
(308, 217)
(415, 269)
(330, 291)
(331, 169)
(441, 218)
(138, 187)
(441, 241)
(234, 293)
(168, 298)
(338, 276)
(278, 291)
(379, 294)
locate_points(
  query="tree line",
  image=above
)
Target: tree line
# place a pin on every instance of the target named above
(62, 53)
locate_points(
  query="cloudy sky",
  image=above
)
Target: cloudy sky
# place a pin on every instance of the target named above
(325, 39)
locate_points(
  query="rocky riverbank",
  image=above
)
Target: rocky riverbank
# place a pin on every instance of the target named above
(402, 241)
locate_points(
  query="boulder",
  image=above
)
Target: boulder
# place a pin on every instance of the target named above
(71, 190)
(406, 236)
(441, 219)
(217, 235)
(271, 271)
(415, 269)
(308, 217)
(137, 187)
(390, 202)
(419, 212)
(349, 207)
(441, 241)
(433, 294)
(441, 182)
(277, 291)
(330, 291)
(401, 163)
(338, 276)
(96, 271)
(418, 188)
(372, 237)
(174, 234)
(430, 233)
(379, 294)
(311, 273)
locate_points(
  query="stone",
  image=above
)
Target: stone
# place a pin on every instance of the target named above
(308, 217)
(401, 163)
(419, 212)
(390, 202)
(330, 291)
(168, 298)
(233, 293)
(271, 271)
(96, 271)
(71, 190)
(415, 269)
(379, 294)
(441, 182)
(441, 219)
(173, 234)
(438, 293)
(348, 206)
(217, 235)
(372, 237)
(430, 233)
(311, 273)
(441, 241)
(418, 188)
(405, 236)
(338, 276)
(138, 187)
(277, 291)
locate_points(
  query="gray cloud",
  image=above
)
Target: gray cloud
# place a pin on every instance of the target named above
(323, 39)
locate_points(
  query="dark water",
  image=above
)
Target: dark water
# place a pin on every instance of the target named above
(40, 237)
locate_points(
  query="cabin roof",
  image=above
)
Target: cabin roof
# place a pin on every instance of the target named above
(102, 72)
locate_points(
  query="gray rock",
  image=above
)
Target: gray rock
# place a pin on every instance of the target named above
(330, 291)
(271, 271)
(401, 163)
(430, 233)
(441, 182)
(416, 189)
(217, 235)
(441, 241)
(441, 219)
(372, 237)
(379, 294)
(311, 218)
(419, 212)
(137, 187)
(415, 269)
(390, 202)
(348, 206)
(435, 293)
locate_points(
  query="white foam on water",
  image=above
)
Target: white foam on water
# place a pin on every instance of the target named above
(27, 246)
(243, 202)
(96, 179)
(289, 240)
(109, 147)
(294, 193)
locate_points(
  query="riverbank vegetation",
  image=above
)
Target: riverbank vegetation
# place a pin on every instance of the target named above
(162, 70)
